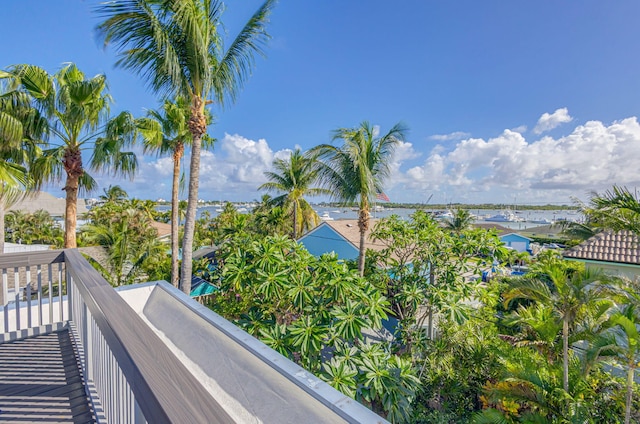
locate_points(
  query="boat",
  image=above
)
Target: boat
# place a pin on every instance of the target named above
(504, 216)
(544, 221)
(326, 217)
(443, 215)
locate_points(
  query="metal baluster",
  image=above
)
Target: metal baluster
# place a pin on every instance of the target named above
(5, 299)
(60, 303)
(50, 285)
(39, 278)
(28, 275)
(16, 278)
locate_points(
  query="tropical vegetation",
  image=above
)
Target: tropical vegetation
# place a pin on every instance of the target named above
(163, 132)
(77, 112)
(293, 177)
(177, 45)
(124, 228)
(357, 170)
(23, 130)
(411, 330)
(38, 227)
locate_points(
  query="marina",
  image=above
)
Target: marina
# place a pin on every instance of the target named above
(514, 219)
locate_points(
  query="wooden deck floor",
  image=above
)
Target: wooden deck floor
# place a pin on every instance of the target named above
(40, 381)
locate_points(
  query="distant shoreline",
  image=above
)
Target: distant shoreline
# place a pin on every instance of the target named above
(450, 206)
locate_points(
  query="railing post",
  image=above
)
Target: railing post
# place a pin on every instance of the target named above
(5, 299)
(28, 295)
(50, 285)
(16, 278)
(60, 294)
(69, 294)
(39, 278)
(88, 343)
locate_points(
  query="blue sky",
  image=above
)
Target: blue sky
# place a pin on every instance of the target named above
(526, 102)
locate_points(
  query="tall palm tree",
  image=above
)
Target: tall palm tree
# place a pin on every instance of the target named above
(177, 46)
(166, 131)
(568, 293)
(356, 171)
(22, 129)
(293, 179)
(77, 111)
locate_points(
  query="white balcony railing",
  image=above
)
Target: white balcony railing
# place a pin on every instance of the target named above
(130, 375)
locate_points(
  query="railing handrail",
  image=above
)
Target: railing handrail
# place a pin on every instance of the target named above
(163, 388)
(23, 259)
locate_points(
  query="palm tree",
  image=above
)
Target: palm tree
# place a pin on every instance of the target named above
(293, 178)
(618, 209)
(129, 240)
(567, 293)
(22, 129)
(356, 171)
(167, 131)
(621, 342)
(114, 194)
(177, 46)
(77, 109)
(461, 221)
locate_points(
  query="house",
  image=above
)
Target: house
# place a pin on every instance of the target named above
(45, 201)
(163, 229)
(340, 236)
(616, 253)
(516, 242)
(492, 226)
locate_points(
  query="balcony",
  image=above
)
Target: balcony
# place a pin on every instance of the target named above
(74, 349)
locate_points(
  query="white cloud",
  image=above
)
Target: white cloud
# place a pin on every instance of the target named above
(593, 157)
(548, 121)
(458, 135)
(237, 165)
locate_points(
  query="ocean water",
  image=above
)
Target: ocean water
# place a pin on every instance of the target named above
(527, 218)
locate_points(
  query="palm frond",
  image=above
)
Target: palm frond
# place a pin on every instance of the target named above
(233, 69)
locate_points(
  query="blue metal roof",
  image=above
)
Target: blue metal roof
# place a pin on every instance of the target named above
(324, 239)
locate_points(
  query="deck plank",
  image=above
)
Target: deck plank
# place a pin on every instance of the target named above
(40, 381)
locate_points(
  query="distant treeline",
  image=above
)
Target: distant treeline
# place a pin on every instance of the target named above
(453, 206)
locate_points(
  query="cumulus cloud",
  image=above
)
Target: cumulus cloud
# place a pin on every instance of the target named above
(593, 157)
(458, 135)
(404, 152)
(548, 121)
(233, 170)
(237, 165)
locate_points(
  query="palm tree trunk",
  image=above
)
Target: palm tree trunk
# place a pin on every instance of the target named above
(197, 127)
(565, 354)
(175, 216)
(70, 212)
(72, 163)
(2, 228)
(361, 255)
(627, 406)
(295, 219)
(363, 225)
